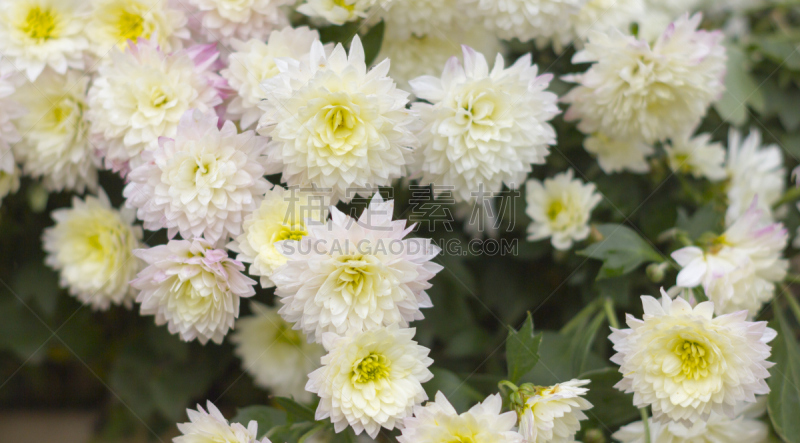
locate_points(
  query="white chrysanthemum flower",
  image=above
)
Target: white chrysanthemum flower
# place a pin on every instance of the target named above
(55, 143)
(9, 175)
(553, 413)
(526, 19)
(10, 110)
(619, 155)
(370, 379)
(483, 128)
(277, 357)
(201, 183)
(35, 34)
(560, 208)
(212, 427)
(115, 23)
(141, 94)
(337, 12)
(635, 91)
(717, 429)
(254, 61)
(282, 216)
(335, 125)
(91, 245)
(225, 20)
(355, 275)
(753, 171)
(605, 15)
(685, 363)
(192, 287)
(697, 156)
(439, 422)
(407, 18)
(740, 268)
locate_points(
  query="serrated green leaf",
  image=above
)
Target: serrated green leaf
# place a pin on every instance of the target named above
(522, 350)
(267, 417)
(294, 410)
(705, 219)
(784, 381)
(582, 341)
(621, 249)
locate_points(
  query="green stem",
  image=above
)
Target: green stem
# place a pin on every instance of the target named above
(792, 278)
(790, 196)
(612, 316)
(310, 433)
(794, 305)
(507, 384)
(646, 423)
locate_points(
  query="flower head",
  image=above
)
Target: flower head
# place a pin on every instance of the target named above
(91, 245)
(432, 18)
(553, 413)
(370, 379)
(753, 171)
(438, 422)
(35, 34)
(337, 12)
(336, 125)
(202, 182)
(483, 128)
(141, 95)
(9, 111)
(605, 15)
(560, 208)
(685, 363)
(619, 155)
(543, 20)
(350, 275)
(193, 288)
(697, 156)
(117, 23)
(645, 92)
(225, 20)
(212, 427)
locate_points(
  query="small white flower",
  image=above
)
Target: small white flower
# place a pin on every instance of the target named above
(685, 363)
(55, 143)
(202, 182)
(91, 245)
(225, 20)
(212, 427)
(337, 12)
(355, 275)
(35, 34)
(753, 171)
(141, 94)
(255, 61)
(282, 216)
(619, 155)
(9, 175)
(483, 128)
(739, 269)
(336, 125)
(193, 288)
(438, 422)
(116, 23)
(638, 91)
(526, 19)
(553, 413)
(370, 379)
(697, 156)
(277, 357)
(560, 208)
(605, 15)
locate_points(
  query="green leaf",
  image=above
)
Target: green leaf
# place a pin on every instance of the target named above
(705, 219)
(740, 89)
(621, 249)
(372, 41)
(267, 417)
(784, 381)
(522, 350)
(612, 407)
(582, 341)
(294, 410)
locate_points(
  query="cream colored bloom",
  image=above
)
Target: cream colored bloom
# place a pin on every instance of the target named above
(483, 129)
(282, 216)
(370, 379)
(225, 20)
(754, 171)
(739, 269)
(9, 111)
(193, 288)
(619, 155)
(336, 125)
(434, 18)
(697, 156)
(526, 19)
(202, 182)
(355, 275)
(277, 357)
(605, 15)
(255, 61)
(212, 427)
(553, 414)
(687, 364)
(438, 422)
(55, 144)
(337, 12)
(638, 91)
(141, 94)
(560, 208)
(116, 23)
(35, 34)
(91, 245)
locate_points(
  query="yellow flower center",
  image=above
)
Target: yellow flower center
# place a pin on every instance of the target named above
(373, 367)
(695, 359)
(290, 233)
(344, 4)
(40, 24)
(289, 336)
(130, 26)
(555, 208)
(158, 97)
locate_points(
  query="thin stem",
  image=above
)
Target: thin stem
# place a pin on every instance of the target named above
(646, 425)
(612, 316)
(792, 278)
(794, 305)
(790, 196)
